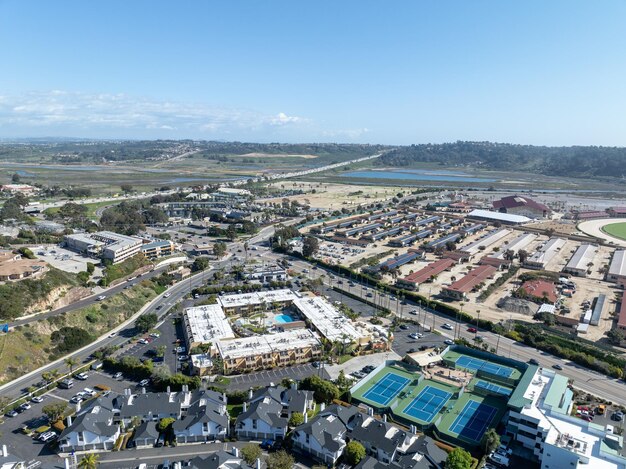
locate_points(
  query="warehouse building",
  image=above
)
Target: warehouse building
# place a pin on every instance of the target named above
(617, 269)
(269, 351)
(459, 289)
(544, 254)
(581, 261)
(484, 242)
(205, 324)
(104, 244)
(504, 218)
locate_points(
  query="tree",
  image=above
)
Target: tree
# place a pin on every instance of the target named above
(251, 453)
(491, 440)
(90, 268)
(71, 362)
(200, 264)
(323, 391)
(310, 246)
(145, 322)
(219, 249)
(231, 232)
(126, 188)
(165, 424)
(353, 453)
(280, 460)
(15, 179)
(458, 458)
(55, 411)
(615, 336)
(296, 419)
(522, 256)
(89, 461)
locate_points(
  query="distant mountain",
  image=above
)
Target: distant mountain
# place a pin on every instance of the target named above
(576, 161)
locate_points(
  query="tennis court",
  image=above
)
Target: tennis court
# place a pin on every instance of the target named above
(427, 404)
(494, 388)
(473, 420)
(386, 389)
(475, 364)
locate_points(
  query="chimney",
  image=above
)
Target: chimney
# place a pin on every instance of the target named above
(245, 406)
(235, 451)
(69, 420)
(294, 385)
(384, 417)
(250, 393)
(5, 452)
(370, 411)
(225, 398)
(78, 407)
(258, 463)
(322, 406)
(168, 389)
(67, 463)
(143, 390)
(306, 417)
(413, 429)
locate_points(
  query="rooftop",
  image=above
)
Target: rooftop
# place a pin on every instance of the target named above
(333, 325)
(258, 345)
(514, 201)
(516, 244)
(485, 241)
(498, 216)
(257, 298)
(583, 256)
(618, 263)
(545, 253)
(207, 323)
(473, 278)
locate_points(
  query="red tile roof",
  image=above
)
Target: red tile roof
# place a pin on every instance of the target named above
(473, 278)
(540, 288)
(434, 268)
(513, 201)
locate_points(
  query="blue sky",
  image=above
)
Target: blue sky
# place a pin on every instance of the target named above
(397, 72)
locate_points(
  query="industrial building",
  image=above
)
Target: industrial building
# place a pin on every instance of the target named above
(104, 244)
(269, 351)
(484, 242)
(544, 254)
(518, 205)
(206, 324)
(617, 269)
(581, 261)
(459, 289)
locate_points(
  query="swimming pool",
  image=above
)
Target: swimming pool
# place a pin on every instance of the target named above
(283, 318)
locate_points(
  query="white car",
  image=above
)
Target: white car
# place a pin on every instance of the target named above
(143, 341)
(144, 382)
(448, 342)
(37, 399)
(76, 399)
(447, 326)
(100, 298)
(82, 376)
(156, 335)
(90, 392)
(167, 295)
(47, 436)
(414, 335)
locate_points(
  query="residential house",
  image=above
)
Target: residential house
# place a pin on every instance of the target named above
(206, 420)
(94, 430)
(223, 460)
(146, 435)
(267, 412)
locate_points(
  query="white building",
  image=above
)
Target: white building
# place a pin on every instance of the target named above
(206, 324)
(257, 301)
(485, 241)
(545, 254)
(617, 269)
(542, 424)
(105, 244)
(579, 263)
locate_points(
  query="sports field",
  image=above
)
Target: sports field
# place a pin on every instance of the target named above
(616, 229)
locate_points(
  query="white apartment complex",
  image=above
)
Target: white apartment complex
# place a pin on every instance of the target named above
(104, 244)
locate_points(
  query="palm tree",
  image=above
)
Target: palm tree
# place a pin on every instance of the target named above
(89, 461)
(71, 362)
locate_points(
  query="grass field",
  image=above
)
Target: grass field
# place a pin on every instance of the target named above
(616, 229)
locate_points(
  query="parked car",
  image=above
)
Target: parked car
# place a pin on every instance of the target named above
(11, 413)
(81, 376)
(414, 335)
(37, 399)
(448, 342)
(156, 335)
(144, 382)
(404, 327)
(76, 399)
(25, 406)
(47, 436)
(90, 392)
(143, 341)
(118, 375)
(617, 416)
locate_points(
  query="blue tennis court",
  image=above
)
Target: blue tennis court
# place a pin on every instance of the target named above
(494, 388)
(427, 404)
(386, 389)
(475, 364)
(473, 420)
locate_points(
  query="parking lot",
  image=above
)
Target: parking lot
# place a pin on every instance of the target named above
(66, 260)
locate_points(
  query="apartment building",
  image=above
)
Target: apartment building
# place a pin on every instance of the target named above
(104, 244)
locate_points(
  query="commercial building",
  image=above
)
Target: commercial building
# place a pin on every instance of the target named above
(523, 206)
(248, 303)
(231, 194)
(206, 324)
(269, 351)
(155, 249)
(617, 269)
(504, 218)
(330, 323)
(540, 259)
(265, 274)
(540, 421)
(25, 189)
(104, 244)
(580, 262)
(459, 289)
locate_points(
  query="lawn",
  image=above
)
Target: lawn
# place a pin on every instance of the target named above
(616, 229)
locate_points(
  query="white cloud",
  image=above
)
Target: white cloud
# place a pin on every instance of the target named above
(351, 134)
(77, 113)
